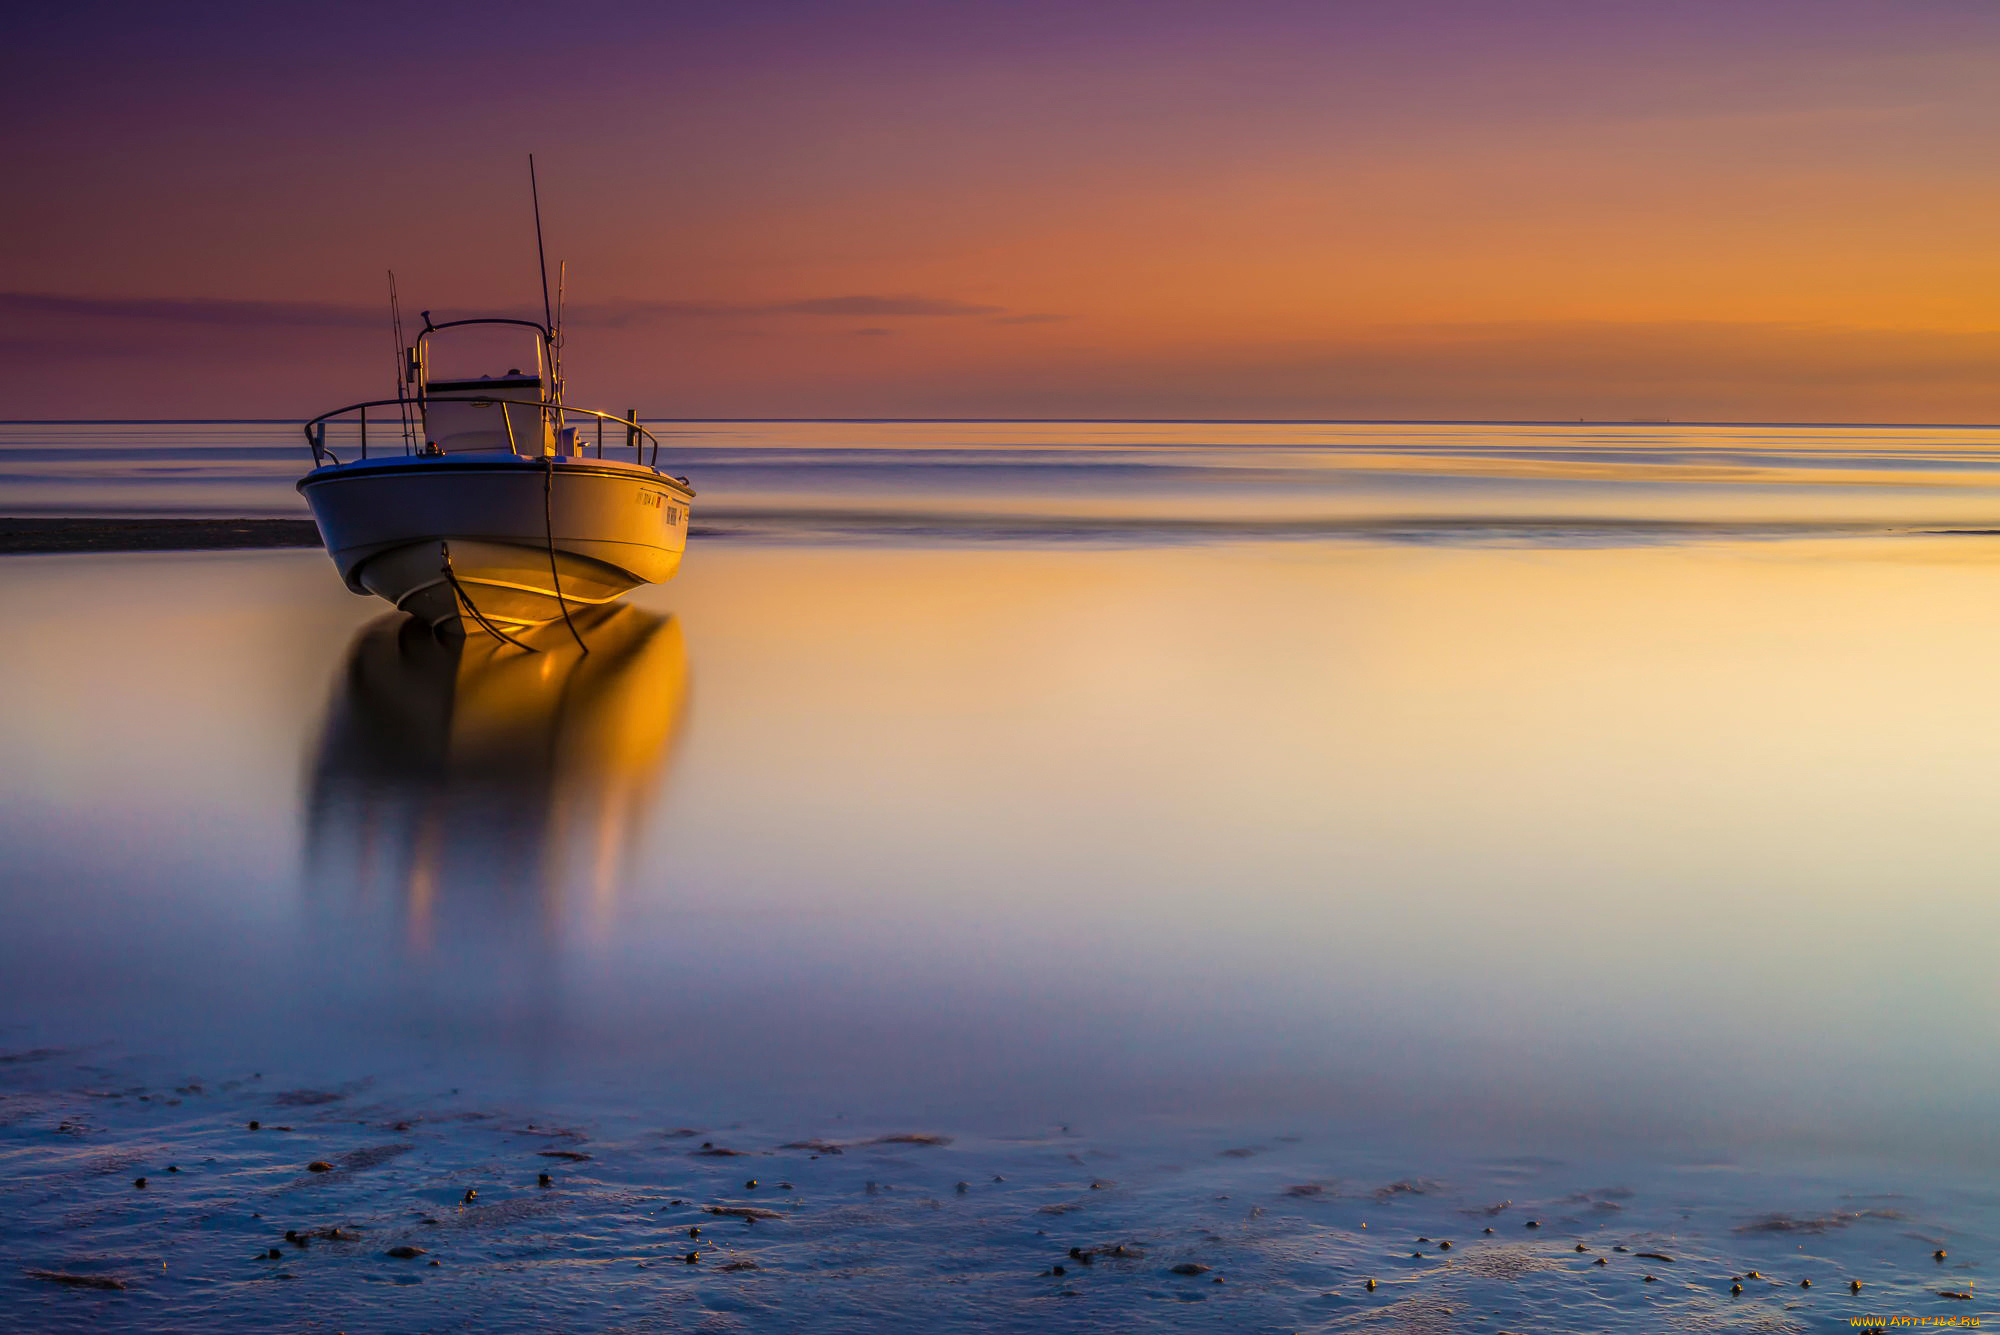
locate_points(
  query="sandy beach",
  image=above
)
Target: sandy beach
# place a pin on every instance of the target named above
(214, 1201)
(203, 1204)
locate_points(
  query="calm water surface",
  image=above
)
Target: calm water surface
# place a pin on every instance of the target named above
(1276, 856)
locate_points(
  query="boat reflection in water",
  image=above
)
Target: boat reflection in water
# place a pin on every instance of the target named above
(473, 803)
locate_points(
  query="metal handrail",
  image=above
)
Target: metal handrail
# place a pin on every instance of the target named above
(636, 435)
(430, 328)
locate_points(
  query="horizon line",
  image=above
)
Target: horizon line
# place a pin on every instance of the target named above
(1091, 421)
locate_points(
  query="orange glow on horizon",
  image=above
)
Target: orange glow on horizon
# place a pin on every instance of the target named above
(1773, 212)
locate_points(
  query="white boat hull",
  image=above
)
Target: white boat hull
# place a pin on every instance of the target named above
(498, 542)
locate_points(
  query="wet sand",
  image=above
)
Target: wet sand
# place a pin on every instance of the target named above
(225, 1199)
(152, 535)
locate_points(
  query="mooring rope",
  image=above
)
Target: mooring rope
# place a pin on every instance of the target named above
(549, 535)
(451, 578)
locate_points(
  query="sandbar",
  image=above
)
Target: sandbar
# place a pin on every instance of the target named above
(152, 535)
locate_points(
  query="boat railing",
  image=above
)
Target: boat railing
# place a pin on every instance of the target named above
(645, 446)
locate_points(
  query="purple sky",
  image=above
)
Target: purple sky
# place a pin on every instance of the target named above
(1767, 208)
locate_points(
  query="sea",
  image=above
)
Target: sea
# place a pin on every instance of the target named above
(1025, 876)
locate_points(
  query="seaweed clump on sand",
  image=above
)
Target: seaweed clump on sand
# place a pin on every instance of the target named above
(1407, 1187)
(908, 1138)
(820, 1145)
(1827, 1223)
(1112, 1251)
(71, 1281)
(742, 1211)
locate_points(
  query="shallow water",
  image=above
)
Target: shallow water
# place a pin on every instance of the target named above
(1137, 481)
(1202, 886)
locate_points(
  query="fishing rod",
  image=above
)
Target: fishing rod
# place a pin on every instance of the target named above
(402, 371)
(541, 255)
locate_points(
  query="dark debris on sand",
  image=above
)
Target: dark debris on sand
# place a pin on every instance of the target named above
(31, 1054)
(355, 1161)
(1407, 1187)
(907, 1138)
(301, 1237)
(1781, 1223)
(819, 1145)
(742, 1212)
(70, 1281)
(1115, 1251)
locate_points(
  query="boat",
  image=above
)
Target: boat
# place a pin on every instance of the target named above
(493, 505)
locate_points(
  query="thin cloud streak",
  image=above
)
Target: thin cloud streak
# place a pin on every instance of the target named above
(1687, 370)
(621, 313)
(238, 313)
(217, 311)
(862, 305)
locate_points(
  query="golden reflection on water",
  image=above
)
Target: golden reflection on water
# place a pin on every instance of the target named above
(480, 785)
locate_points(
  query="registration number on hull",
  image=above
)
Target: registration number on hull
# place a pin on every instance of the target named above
(657, 500)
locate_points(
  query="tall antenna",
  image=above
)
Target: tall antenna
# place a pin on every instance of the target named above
(541, 255)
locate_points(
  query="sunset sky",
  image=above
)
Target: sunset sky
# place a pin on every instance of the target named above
(1708, 209)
